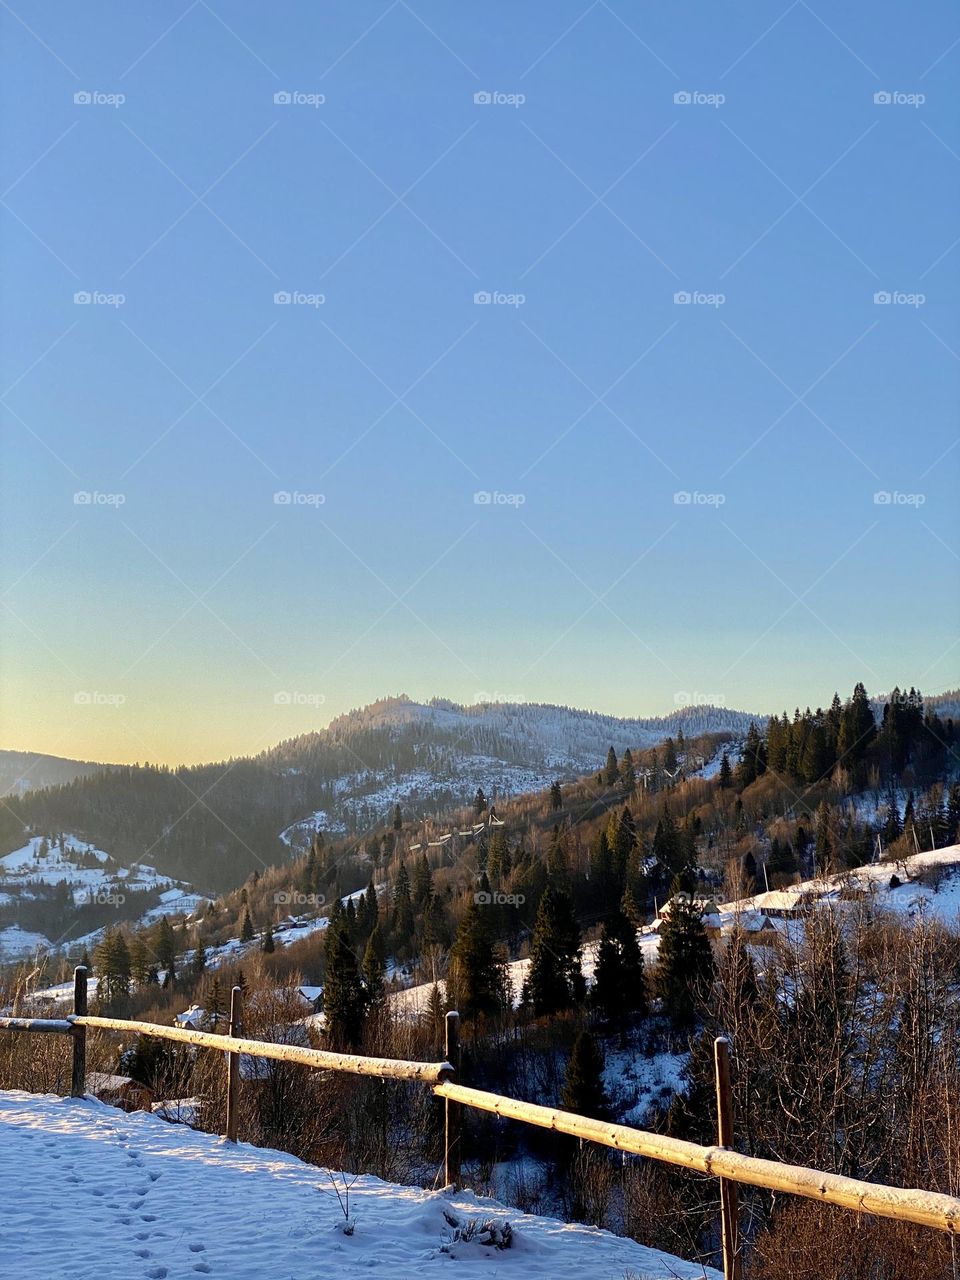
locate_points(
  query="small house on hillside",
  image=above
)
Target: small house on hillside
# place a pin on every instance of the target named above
(119, 1091)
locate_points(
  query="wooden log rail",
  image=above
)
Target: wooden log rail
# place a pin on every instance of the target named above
(319, 1059)
(924, 1208)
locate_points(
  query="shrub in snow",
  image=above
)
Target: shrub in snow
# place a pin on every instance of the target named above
(487, 1231)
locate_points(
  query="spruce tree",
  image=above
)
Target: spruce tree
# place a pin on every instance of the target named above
(611, 773)
(199, 959)
(246, 926)
(619, 987)
(374, 967)
(556, 796)
(476, 982)
(268, 946)
(422, 883)
(555, 978)
(726, 775)
(344, 996)
(584, 1091)
(397, 818)
(479, 802)
(685, 961)
(402, 910)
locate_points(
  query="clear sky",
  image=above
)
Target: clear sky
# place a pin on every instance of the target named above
(182, 613)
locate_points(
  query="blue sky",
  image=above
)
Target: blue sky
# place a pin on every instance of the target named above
(162, 619)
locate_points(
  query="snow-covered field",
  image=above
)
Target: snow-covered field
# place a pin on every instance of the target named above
(91, 1193)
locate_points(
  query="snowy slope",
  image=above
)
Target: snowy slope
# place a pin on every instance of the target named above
(930, 885)
(102, 881)
(91, 1193)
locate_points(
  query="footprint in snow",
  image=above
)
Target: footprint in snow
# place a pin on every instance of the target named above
(153, 1177)
(135, 1204)
(203, 1267)
(196, 1248)
(141, 1253)
(148, 1217)
(156, 1273)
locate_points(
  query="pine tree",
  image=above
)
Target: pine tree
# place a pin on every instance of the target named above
(199, 959)
(476, 982)
(402, 910)
(165, 949)
(619, 985)
(556, 796)
(397, 818)
(246, 926)
(583, 1089)
(113, 966)
(374, 967)
(555, 978)
(268, 946)
(344, 995)
(753, 760)
(725, 779)
(611, 773)
(373, 906)
(139, 962)
(479, 802)
(628, 773)
(214, 1004)
(685, 961)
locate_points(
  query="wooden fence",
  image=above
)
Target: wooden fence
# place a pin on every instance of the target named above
(924, 1208)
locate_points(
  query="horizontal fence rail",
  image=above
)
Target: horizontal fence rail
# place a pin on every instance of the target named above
(319, 1059)
(926, 1208)
(37, 1026)
(923, 1208)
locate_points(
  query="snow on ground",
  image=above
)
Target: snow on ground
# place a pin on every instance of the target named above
(92, 1193)
(30, 865)
(930, 884)
(636, 1081)
(102, 881)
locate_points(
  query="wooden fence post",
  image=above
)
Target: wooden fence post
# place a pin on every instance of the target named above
(452, 1118)
(233, 1067)
(728, 1189)
(78, 1078)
